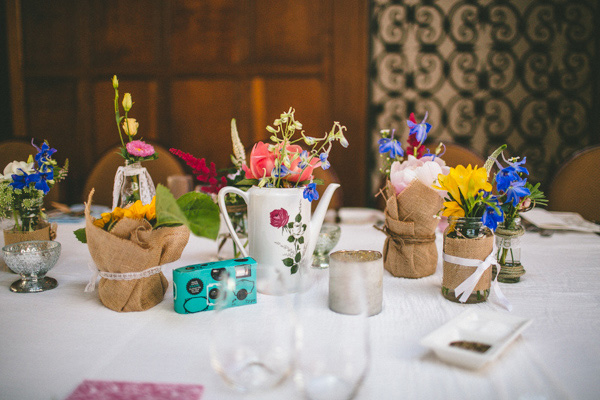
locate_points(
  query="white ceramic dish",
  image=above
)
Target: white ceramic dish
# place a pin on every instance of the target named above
(487, 327)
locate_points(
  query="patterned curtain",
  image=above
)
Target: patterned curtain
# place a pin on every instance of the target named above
(489, 72)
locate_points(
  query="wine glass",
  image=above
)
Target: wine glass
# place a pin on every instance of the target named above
(332, 349)
(252, 345)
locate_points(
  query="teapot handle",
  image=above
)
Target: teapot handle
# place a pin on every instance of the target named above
(221, 199)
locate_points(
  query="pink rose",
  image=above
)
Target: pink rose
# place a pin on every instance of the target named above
(279, 218)
(296, 173)
(262, 162)
(139, 148)
(423, 169)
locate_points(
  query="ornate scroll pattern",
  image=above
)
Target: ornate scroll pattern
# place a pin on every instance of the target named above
(489, 72)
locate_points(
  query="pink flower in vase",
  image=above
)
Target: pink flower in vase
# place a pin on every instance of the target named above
(139, 148)
(279, 218)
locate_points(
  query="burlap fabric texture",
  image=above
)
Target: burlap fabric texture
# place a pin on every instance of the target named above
(409, 250)
(477, 249)
(133, 246)
(45, 231)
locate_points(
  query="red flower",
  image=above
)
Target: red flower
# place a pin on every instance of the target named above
(279, 218)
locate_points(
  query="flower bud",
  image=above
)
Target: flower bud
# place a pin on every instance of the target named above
(298, 124)
(271, 129)
(277, 122)
(127, 103)
(115, 82)
(130, 126)
(309, 140)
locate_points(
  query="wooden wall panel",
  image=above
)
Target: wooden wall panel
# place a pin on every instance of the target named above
(125, 32)
(49, 37)
(207, 32)
(289, 31)
(201, 117)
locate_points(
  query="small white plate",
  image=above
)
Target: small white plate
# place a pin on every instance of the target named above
(486, 327)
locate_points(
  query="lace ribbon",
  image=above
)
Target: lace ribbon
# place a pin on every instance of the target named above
(115, 276)
(468, 285)
(147, 190)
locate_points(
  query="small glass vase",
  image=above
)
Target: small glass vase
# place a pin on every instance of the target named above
(228, 249)
(508, 255)
(132, 183)
(466, 238)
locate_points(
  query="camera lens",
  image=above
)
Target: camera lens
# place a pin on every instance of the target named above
(218, 274)
(242, 294)
(213, 293)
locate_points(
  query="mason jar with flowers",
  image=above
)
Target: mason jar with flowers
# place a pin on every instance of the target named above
(515, 195)
(23, 186)
(473, 213)
(281, 232)
(132, 182)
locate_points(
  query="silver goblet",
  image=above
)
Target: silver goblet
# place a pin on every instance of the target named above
(32, 260)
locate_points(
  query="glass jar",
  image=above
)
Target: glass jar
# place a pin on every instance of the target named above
(466, 237)
(508, 256)
(238, 213)
(132, 183)
(30, 215)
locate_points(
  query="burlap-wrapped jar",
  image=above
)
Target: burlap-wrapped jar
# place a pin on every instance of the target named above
(409, 250)
(132, 246)
(466, 238)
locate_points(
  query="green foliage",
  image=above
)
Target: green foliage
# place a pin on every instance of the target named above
(80, 235)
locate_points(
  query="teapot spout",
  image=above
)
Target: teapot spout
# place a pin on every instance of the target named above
(317, 219)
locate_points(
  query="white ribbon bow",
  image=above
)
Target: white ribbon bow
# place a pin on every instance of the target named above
(468, 285)
(116, 276)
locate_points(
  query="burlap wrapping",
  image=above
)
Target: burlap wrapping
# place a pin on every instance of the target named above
(409, 250)
(133, 246)
(45, 231)
(477, 249)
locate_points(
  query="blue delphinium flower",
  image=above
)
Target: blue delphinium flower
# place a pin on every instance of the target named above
(516, 191)
(44, 154)
(324, 163)
(280, 172)
(310, 192)
(391, 146)
(492, 217)
(506, 176)
(303, 160)
(419, 130)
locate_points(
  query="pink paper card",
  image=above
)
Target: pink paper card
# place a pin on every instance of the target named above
(111, 390)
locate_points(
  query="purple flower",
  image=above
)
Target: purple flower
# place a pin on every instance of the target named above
(324, 163)
(44, 154)
(391, 146)
(310, 192)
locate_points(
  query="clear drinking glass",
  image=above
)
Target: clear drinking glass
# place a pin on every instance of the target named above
(252, 345)
(332, 349)
(329, 236)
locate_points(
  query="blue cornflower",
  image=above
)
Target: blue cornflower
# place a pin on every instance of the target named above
(492, 216)
(44, 154)
(419, 130)
(324, 163)
(392, 146)
(280, 171)
(516, 191)
(310, 192)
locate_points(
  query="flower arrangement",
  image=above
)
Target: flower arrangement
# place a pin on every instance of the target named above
(134, 150)
(283, 163)
(23, 186)
(411, 203)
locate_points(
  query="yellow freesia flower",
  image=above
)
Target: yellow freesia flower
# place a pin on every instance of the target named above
(103, 220)
(151, 210)
(135, 211)
(453, 209)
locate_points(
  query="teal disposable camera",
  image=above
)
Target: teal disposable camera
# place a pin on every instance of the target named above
(199, 287)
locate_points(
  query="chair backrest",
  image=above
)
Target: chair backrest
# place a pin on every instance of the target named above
(576, 186)
(459, 155)
(102, 176)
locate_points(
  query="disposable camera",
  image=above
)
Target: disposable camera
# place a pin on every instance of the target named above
(200, 287)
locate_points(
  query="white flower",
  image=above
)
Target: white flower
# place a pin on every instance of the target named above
(16, 168)
(130, 126)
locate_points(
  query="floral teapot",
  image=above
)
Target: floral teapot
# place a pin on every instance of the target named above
(281, 233)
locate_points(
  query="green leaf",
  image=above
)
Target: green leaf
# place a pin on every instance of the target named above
(80, 235)
(195, 210)
(317, 181)
(294, 268)
(298, 257)
(303, 227)
(291, 239)
(288, 262)
(298, 217)
(301, 240)
(247, 182)
(290, 225)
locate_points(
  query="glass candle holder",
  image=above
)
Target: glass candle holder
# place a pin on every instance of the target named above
(329, 236)
(32, 260)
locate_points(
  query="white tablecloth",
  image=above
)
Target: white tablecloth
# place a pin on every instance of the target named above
(50, 342)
